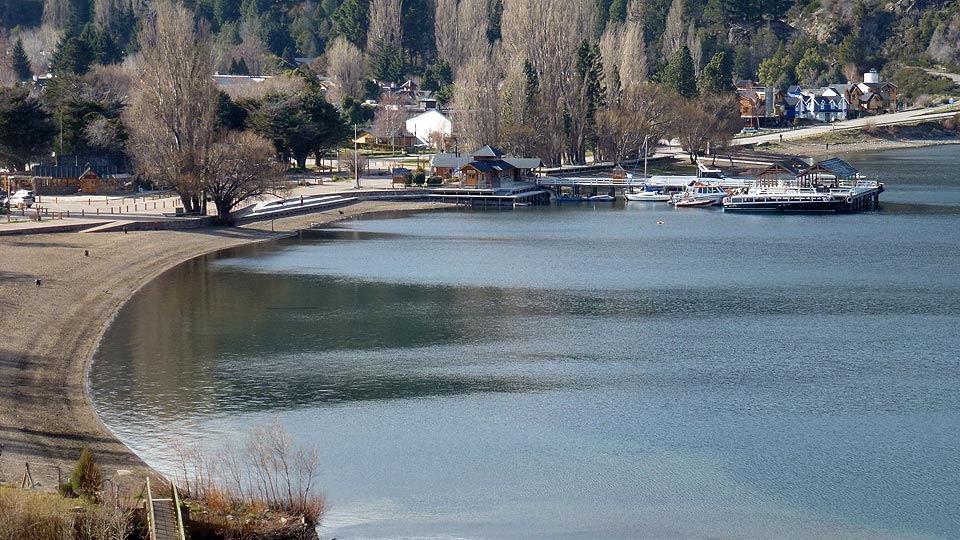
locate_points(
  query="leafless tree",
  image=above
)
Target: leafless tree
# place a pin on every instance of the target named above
(386, 26)
(695, 45)
(476, 103)
(56, 13)
(547, 33)
(239, 167)
(353, 162)
(642, 114)
(251, 48)
(173, 116)
(389, 119)
(347, 67)
(704, 123)
(519, 114)
(675, 32)
(725, 109)
(624, 57)
(460, 27)
(39, 44)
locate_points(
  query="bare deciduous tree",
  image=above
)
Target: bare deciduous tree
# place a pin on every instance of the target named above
(674, 34)
(386, 25)
(624, 57)
(173, 117)
(56, 13)
(706, 123)
(460, 27)
(347, 67)
(389, 119)
(239, 167)
(643, 114)
(38, 43)
(353, 162)
(476, 104)
(547, 33)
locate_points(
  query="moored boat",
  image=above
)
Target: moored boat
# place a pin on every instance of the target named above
(593, 198)
(700, 194)
(788, 199)
(647, 194)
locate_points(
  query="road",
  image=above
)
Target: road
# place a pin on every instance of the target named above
(905, 117)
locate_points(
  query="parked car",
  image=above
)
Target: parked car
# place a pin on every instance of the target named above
(22, 197)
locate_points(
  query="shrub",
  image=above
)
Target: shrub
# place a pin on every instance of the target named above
(419, 177)
(86, 477)
(435, 180)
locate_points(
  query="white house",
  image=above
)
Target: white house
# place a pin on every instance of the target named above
(424, 125)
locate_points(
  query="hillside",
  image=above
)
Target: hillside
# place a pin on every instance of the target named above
(764, 40)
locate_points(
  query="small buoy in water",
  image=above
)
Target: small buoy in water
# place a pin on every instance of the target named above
(659, 223)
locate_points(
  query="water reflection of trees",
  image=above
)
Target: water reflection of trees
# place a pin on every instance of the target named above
(209, 340)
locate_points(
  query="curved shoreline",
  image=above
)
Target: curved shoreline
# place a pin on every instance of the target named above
(51, 332)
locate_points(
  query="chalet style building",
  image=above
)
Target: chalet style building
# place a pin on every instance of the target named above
(760, 106)
(369, 138)
(764, 106)
(90, 175)
(488, 167)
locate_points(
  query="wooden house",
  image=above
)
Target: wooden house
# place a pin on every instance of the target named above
(488, 167)
(69, 179)
(368, 138)
(760, 105)
(875, 96)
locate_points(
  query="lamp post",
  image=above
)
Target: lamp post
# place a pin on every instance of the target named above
(356, 157)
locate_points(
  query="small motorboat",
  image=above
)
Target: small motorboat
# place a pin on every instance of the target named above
(692, 201)
(645, 195)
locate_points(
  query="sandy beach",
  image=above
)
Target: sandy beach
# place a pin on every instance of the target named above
(50, 331)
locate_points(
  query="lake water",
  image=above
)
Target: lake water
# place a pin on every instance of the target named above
(580, 371)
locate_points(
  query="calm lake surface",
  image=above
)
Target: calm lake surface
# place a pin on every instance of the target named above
(580, 371)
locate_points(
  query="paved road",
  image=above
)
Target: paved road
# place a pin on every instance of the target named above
(904, 117)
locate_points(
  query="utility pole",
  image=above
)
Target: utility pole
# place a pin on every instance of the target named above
(356, 157)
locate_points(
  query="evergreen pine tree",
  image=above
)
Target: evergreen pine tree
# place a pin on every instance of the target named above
(680, 75)
(717, 75)
(72, 56)
(350, 20)
(225, 11)
(21, 64)
(242, 68)
(86, 477)
(494, 18)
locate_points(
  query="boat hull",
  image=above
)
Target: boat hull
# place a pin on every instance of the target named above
(814, 206)
(602, 198)
(652, 197)
(695, 203)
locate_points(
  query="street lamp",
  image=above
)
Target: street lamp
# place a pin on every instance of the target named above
(356, 157)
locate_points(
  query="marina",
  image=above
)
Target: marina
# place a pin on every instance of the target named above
(442, 411)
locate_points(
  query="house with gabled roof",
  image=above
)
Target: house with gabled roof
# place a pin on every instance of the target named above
(488, 167)
(874, 96)
(760, 105)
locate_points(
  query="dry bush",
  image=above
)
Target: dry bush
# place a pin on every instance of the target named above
(34, 516)
(870, 126)
(271, 473)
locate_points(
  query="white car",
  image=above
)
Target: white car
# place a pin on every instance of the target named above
(22, 197)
